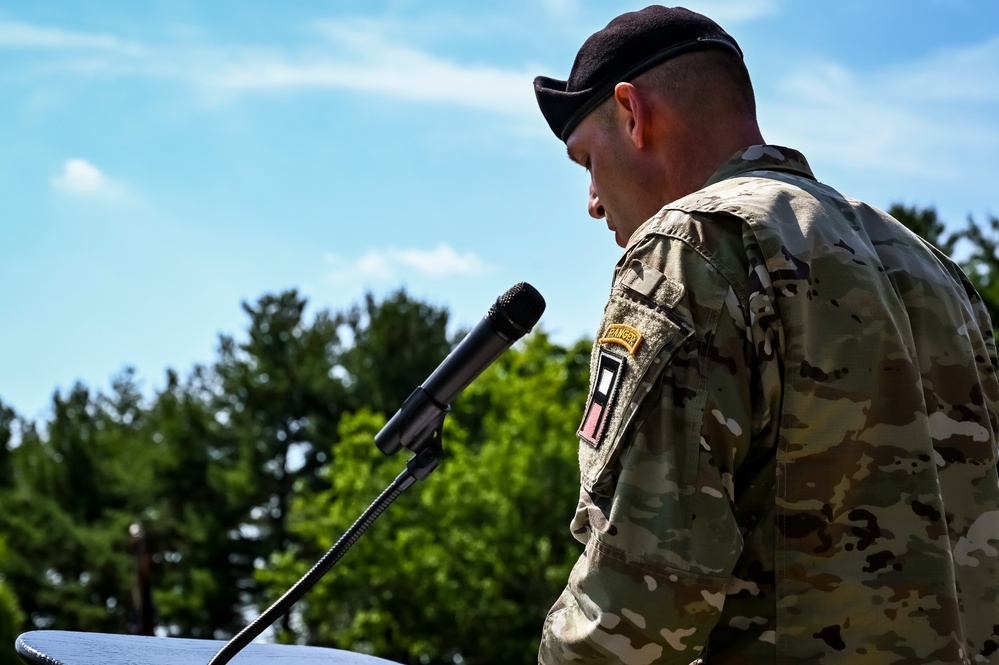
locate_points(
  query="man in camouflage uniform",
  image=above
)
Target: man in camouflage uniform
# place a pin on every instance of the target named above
(789, 450)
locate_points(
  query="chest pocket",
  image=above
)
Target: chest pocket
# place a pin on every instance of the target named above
(637, 340)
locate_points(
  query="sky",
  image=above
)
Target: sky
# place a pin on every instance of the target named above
(162, 162)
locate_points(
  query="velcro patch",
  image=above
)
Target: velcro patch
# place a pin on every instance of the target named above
(606, 384)
(652, 283)
(626, 336)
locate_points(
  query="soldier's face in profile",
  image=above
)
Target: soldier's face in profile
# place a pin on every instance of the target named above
(615, 194)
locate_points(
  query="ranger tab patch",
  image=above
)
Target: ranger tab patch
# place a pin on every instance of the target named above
(626, 336)
(610, 372)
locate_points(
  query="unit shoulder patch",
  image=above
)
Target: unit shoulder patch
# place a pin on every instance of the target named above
(606, 386)
(621, 380)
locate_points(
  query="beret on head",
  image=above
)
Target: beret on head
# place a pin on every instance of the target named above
(630, 44)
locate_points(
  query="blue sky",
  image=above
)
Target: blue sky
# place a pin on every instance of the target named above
(163, 161)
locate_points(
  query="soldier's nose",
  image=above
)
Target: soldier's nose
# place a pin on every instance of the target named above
(594, 207)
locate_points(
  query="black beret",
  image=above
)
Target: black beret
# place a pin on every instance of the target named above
(630, 44)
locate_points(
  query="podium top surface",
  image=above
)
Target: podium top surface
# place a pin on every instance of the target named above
(59, 647)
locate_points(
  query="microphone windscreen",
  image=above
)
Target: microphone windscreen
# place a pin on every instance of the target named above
(515, 312)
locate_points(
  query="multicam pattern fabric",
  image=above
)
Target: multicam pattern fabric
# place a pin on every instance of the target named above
(800, 462)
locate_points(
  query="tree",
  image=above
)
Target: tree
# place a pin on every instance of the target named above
(983, 264)
(11, 616)
(67, 514)
(7, 420)
(256, 428)
(200, 563)
(279, 404)
(397, 343)
(464, 567)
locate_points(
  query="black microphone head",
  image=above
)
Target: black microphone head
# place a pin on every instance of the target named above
(515, 312)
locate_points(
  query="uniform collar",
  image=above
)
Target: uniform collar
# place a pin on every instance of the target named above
(762, 158)
(747, 162)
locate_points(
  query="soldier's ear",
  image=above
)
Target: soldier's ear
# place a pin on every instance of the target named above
(634, 112)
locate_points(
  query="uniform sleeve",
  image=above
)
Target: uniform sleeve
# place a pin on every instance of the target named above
(655, 511)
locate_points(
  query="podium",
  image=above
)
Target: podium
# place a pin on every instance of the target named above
(60, 647)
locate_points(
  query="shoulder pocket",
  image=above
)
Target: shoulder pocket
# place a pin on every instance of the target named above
(636, 341)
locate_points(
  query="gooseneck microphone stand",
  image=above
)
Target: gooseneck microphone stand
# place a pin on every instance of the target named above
(417, 468)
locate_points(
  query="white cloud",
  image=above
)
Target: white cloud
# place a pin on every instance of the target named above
(23, 35)
(357, 54)
(361, 54)
(390, 265)
(968, 74)
(362, 57)
(441, 261)
(929, 117)
(80, 177)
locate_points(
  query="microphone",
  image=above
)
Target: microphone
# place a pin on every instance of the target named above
(511, 317)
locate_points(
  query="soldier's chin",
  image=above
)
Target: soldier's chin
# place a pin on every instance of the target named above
(617, 234)
(620, 239)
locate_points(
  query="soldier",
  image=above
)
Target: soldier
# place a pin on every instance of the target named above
(789, 449)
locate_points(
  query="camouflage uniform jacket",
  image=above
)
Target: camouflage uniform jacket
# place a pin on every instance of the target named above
(789, 450)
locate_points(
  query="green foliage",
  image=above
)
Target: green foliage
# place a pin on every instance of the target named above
(396, 344)
(276, 400)
(200, 560)
(66, 515)
(206, 469)
(7, 419)
(465, 566)
(11, 616)
(983, 264)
